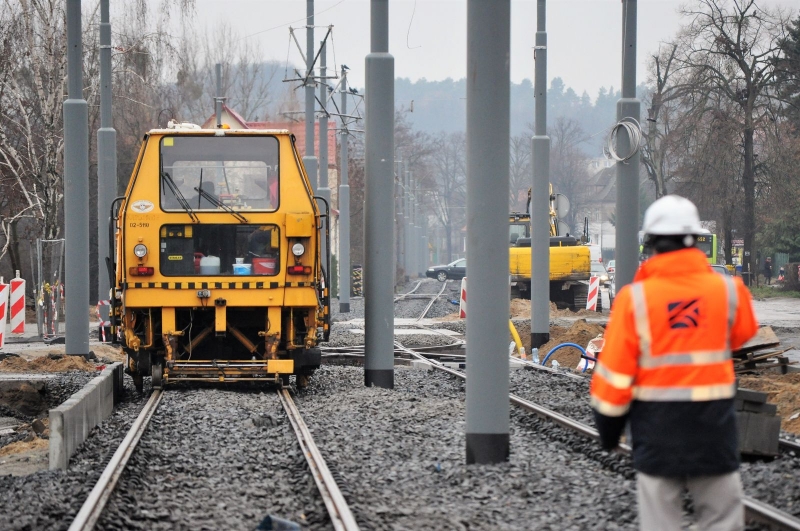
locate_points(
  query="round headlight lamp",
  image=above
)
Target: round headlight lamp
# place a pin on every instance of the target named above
(140, 250)
(298, 249)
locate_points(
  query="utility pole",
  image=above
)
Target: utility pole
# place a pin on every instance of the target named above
(218, 100)
(324, 190)
(344, 209)
(627, 240)
(310, 161)
(412, 226)
(106, 160)
(540, 192)
(379, 204)
(488, 84)
(76, 190)
(406, 223)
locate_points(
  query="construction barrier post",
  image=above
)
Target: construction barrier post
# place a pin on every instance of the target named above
(462, 305)
(17, 305)
(3, 306)
(102, 324)
(594, 291)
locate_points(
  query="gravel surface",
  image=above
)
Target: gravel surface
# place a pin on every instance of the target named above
(216, 458)
(401, 458)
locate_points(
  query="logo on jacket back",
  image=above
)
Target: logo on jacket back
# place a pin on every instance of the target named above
(684, 314)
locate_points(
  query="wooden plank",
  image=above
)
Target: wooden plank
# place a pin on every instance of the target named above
(764, 338)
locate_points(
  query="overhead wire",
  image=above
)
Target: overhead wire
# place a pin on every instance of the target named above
(304, 19)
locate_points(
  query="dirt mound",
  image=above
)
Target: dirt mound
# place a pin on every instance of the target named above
(47, 364)
(23, 398)
(24, 446)
(783, 390)
(579, 333)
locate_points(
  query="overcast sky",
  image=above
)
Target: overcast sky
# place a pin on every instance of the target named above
(428, 37)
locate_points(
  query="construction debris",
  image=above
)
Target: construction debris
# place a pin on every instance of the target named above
(761, 353)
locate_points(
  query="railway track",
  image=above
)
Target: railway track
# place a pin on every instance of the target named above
(412, 295)
(755, 510)
(339, 512)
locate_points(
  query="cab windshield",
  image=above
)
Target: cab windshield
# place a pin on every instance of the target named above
(214, 172)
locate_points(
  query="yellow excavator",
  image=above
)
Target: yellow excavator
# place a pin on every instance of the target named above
(570, 265)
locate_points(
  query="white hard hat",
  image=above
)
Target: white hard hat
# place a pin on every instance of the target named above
(672, 215)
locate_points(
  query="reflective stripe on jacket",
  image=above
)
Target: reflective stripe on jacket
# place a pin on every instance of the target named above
(671, 335)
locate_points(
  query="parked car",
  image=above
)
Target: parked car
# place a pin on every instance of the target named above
(610, 267)
(598, 270)
(454, 270)
(721, 269)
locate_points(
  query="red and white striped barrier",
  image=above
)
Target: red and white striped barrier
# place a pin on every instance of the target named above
(17, 305)
(103, 324)
(3, 306)
(462, 305)
(594, 292)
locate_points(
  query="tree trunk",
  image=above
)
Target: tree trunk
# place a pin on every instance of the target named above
(748, 183)
(448, 232)
(13, 247)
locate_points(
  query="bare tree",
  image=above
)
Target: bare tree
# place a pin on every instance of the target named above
(732, 48)
(449, 190)
(245, 78)
(519, 171)
(569, 165)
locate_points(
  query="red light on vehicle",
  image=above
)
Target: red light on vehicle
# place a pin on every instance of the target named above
(299, 270)
(141, 271)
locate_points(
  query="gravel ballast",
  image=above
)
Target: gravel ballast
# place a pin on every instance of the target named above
(223, 457)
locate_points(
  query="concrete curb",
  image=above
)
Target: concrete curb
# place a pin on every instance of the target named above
(71, 422)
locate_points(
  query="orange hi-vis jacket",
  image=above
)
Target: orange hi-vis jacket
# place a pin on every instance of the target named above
(669, 341)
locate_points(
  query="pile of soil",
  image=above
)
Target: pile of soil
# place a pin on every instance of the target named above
(784, 391)
(23, 398)
(47, 364)
(24, 446)
(580, 333)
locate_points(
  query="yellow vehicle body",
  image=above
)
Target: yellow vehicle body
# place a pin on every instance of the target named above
(566, 263)
(215, 286)
(570, 264)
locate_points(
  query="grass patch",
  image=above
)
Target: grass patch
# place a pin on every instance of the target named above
(767, 292)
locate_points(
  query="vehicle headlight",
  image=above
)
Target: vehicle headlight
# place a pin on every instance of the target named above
(298, 249)
(140, 250)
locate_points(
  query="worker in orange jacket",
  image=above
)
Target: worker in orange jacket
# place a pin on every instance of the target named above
(666, 369)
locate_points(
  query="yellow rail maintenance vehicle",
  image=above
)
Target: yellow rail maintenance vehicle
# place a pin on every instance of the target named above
(218, 272)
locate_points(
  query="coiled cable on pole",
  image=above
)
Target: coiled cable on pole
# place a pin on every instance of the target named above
(634, 131)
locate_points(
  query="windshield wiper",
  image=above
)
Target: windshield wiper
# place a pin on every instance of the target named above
(179, 196)
(216, 202)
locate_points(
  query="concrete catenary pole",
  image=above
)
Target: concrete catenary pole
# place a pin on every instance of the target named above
(627, 240)
(406, 222)
(323, 190)
(310, 161)
(540, 193)
(76, 190)
(488, 85)
(218, 98)
(379, 205)
(344, 209)
(106, 159)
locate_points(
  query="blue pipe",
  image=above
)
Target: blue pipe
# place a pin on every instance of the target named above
(584, 355)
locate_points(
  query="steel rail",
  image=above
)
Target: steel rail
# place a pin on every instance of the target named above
(93, 506)
(434, 298)
(338, 510)
(754, 509)
(787, 444)
(404, 295)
